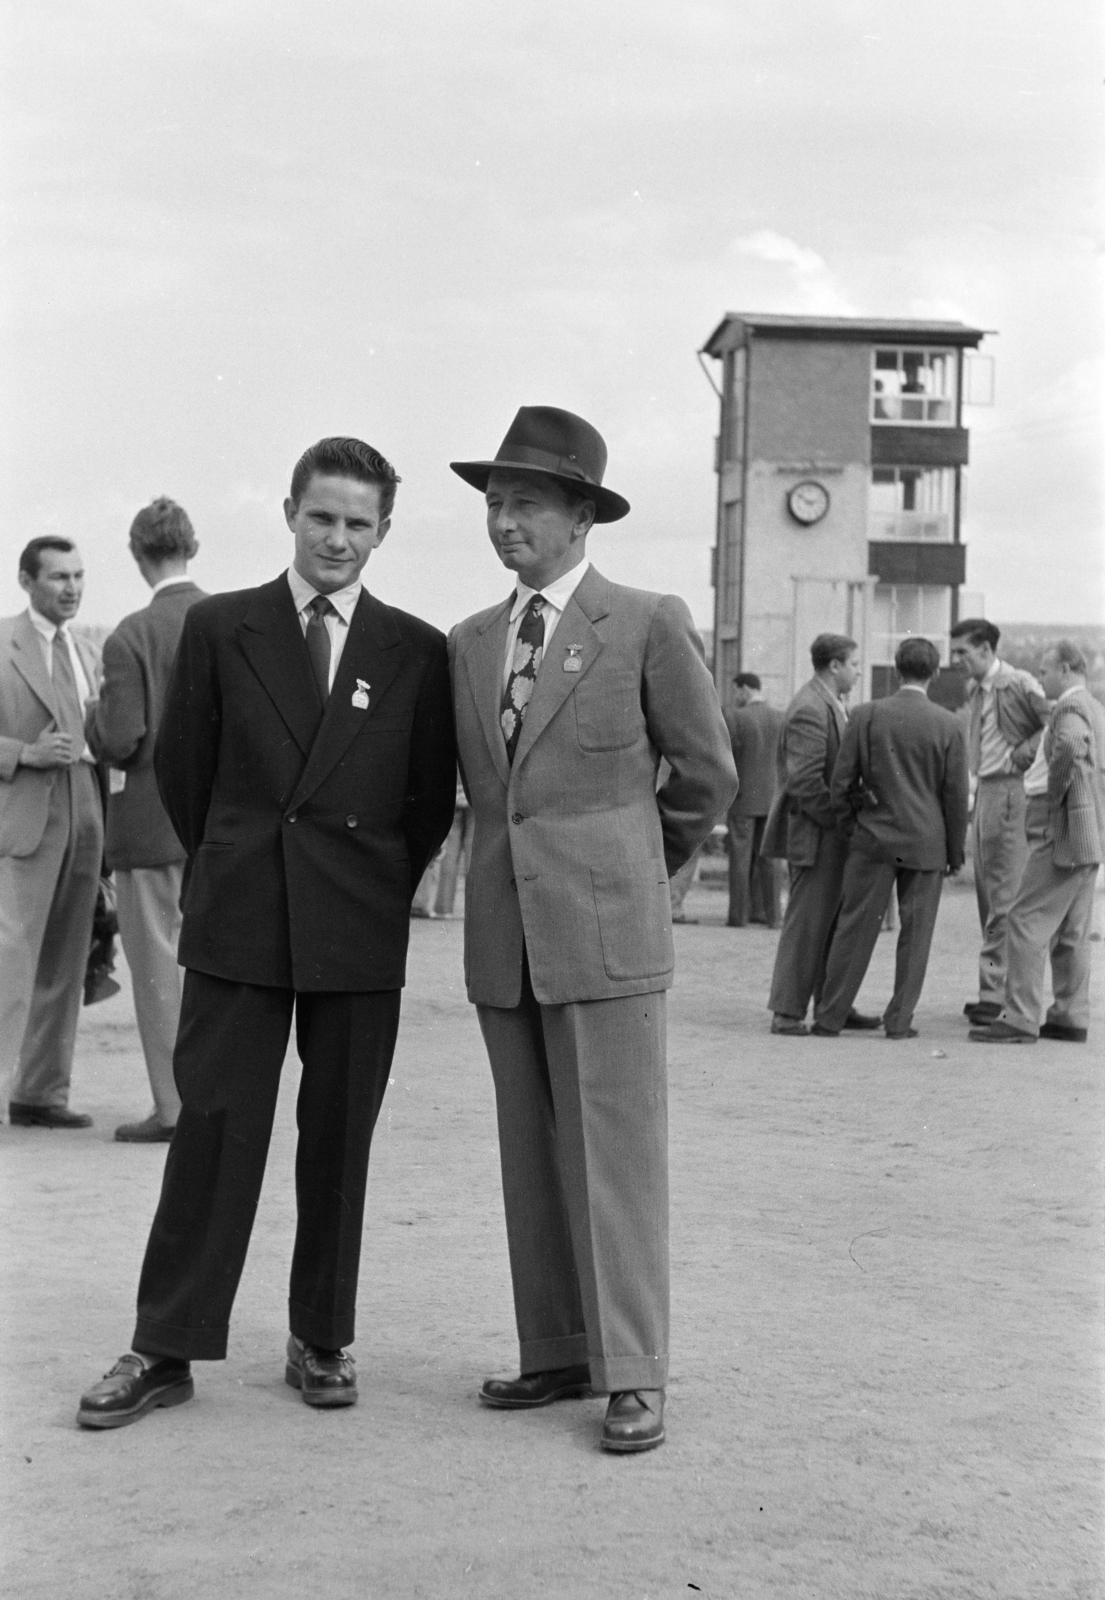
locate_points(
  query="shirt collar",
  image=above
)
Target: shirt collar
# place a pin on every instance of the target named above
(42, 625)
(1075, 688)
(920, 688)
(167, 583)
(557, 593)
(991, 673)
(344, 601)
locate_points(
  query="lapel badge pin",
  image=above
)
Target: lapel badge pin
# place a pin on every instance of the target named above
(360, 695)
(572, 662)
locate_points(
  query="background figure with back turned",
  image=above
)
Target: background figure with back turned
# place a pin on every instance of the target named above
(1007, 711)
(754, 732)
(51, 835)
(142, 849)
(306, 759)
(901, 775)
(568, 694)
(804, 828)
(1053, 907)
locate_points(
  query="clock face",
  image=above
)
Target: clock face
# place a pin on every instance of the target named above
(808, 502)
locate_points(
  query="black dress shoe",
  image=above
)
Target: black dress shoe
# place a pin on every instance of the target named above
(982, 1010)
(22, 1116)
(856, 1019)
(323, 1377)
(132, 1388)
(1000, 1033)
(821, 1032)
(901, 1033)
(149, 1131)
(1062, 1030)
(781, 1023)
(634, 1421)
(536, 1388)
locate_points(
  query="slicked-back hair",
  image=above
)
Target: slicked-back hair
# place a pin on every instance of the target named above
(747, 680)
(161, 530)
(976, 631)
(829, 647)
(1066, 651)
(346, 458)
(917, 660)
(30, 560)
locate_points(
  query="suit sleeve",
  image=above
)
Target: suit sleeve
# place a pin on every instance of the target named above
(432, 772)
(116, 723)
(1070, 744)
(186, 752)
(1035, 702)
(955, 796)
(686, 726)
(807, 749)
(845, 772)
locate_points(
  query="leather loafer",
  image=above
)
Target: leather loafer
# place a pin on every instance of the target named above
(901, 1033)
(132, 1388)
(22, 1116)
(1062, 1030)
(1000, 1033)
(634, 1421)
(149, 1131)
(536, 1388)
(780, 1023)
(982, 1010)
(323, 1377)
(821, 1032)
(856, 1019)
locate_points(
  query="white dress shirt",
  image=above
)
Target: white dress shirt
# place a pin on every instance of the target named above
(47, 632)
(168, 583)
(344, 603)
(1035, 779)
(555, 595)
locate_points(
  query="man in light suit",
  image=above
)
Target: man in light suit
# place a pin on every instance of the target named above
(142, 850)
(804, 829)
(1053, 907)
(900, 787)
(306, 759)
(754, 732)
(51, 836)
(568, 693)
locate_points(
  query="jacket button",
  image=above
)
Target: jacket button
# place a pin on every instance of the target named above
(517, 817)
(351, 822)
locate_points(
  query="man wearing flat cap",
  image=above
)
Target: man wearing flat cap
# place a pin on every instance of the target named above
(568, 695)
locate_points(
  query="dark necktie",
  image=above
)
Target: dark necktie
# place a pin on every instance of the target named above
(528, 650)
(70, 718)
(318, 644)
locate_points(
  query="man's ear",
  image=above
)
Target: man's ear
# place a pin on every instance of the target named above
(25, 580)
(290, 509)
(381, 533)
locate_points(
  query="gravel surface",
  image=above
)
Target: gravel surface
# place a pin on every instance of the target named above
(887, 1340)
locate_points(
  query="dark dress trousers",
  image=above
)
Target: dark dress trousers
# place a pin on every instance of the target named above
(754, 733)
(306, 829)
(911, 757)
(804, 828)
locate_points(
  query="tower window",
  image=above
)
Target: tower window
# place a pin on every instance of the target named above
(914, 386)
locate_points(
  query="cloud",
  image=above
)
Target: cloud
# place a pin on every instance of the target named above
(813, 286)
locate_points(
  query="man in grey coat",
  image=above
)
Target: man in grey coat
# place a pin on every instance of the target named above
(754, 732)
(1053, 908)
(141, 847)
(901, 779)
(568, 693)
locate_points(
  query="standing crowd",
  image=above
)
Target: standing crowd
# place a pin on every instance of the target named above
(267, 775)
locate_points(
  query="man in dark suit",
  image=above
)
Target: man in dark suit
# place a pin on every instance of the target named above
(754, 732)
(804, 828)
(568, 694)
(143, 852)
(306, 759)
(902, 774)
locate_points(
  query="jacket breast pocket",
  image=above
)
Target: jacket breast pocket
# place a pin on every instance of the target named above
(608, 711)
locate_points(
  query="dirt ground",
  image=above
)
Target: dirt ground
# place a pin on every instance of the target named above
(887, 1340)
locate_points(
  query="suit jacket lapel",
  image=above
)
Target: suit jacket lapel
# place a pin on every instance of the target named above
(372, 653)
(273, 644)
(484, 661)
(29, 661)
(588, 604)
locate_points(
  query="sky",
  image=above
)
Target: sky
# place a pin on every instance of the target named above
(232, 229)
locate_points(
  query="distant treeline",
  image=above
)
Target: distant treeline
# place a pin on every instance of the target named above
(1023, 645)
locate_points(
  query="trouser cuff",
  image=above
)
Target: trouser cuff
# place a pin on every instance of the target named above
(548, 1355)
(328, 1333)
(613, 1374)
(186, 1344)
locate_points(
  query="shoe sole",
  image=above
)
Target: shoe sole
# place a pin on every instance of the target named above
(321, 1399)
(629, 1447)
(580, 1391)
(172, 1395)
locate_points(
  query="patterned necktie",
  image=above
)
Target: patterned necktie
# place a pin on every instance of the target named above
(70, 719)
(318, 644)
(528, 650)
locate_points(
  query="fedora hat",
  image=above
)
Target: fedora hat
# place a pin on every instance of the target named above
(559, 445)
